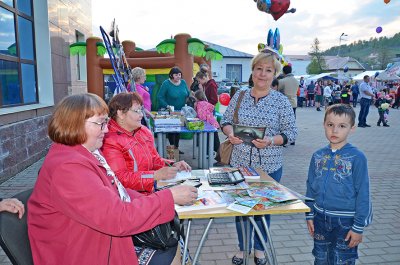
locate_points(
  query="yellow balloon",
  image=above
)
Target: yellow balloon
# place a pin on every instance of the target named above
(280, 48)
(261, 46)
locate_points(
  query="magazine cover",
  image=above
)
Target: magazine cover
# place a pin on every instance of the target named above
(248, 133)
(272, 191)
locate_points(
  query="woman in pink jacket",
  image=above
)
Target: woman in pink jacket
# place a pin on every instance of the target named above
(79, 213)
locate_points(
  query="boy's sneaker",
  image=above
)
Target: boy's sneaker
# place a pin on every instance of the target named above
(386, 125)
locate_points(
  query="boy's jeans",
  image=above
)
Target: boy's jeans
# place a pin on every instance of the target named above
(257, 242)
(329, 245)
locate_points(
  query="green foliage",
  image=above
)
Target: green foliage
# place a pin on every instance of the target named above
(376, 53)
(318, 64)
(166, 46)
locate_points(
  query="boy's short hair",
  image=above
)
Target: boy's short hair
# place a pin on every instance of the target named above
(340, 109)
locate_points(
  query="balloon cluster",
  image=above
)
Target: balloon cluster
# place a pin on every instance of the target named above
(276, 8)
(274, 45)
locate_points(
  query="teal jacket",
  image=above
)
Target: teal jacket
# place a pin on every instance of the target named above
(173, 95)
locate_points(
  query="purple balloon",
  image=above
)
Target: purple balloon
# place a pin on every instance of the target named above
(378, 29)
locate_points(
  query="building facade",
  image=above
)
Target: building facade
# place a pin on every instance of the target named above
(36, 72)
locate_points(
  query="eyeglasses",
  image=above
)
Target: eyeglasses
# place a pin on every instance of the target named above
(101, 124)
(138, 111)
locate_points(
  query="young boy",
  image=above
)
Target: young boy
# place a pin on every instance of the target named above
(382, 103)
(338, 182)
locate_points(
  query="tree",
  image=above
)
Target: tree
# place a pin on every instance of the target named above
(383, 57)
(318, 64)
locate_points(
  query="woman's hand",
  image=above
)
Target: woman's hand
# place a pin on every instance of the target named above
(165, 173)
(13, 206)
(234, 140)
(182, 166)
(261, 143)
(184, 194)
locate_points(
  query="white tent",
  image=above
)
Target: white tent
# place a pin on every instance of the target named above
(384, 76)
(360, 77)
(319, 76)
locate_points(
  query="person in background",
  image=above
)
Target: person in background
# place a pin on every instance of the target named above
(260, 106)
(355, 91)
(205, 112)
(288, 86)
(79, 212)
(251, 83)
(338, 183)
(310, 94)
(173, 92)
(275, 84)
(367, 95)
(209, 87)
(129, 147)
(345, 93)
(318, 95)
(383, 105)
(139, 76)
(328, 95)
(12, 205)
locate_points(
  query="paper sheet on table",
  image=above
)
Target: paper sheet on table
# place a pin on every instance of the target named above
(181, 175)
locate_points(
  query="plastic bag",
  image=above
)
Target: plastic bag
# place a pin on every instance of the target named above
(188, 112)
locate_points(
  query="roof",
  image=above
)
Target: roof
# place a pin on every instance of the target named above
(369, 73)
(332, 62)
(228, 52)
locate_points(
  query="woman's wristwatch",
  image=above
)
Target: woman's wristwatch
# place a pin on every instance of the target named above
(271, 138)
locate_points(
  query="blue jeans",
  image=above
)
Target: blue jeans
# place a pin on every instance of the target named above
(329, 245)
(257, 242)
(355, 97)
(365, 103)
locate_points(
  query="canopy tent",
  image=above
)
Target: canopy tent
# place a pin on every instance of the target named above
(360, 77)
(393, 70)
(384, 76)
(323, 76)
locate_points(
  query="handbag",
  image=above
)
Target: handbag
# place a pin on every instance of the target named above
(163, 236)
(226, 147)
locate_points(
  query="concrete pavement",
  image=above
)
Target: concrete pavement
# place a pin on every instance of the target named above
(381, 242)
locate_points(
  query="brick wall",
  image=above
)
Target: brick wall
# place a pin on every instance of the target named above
(21, 144)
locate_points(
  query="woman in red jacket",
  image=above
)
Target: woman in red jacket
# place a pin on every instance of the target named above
(79, 213)
(129, 147)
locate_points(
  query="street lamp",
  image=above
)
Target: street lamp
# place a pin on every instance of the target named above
(340, 41)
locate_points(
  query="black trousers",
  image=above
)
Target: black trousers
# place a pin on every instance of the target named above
(173, 139)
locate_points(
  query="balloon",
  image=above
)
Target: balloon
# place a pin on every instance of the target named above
(224, 99)
(277, 39)
(280, 48)
(270, 38)
(346, 69)
(378, 29)
(376, 74)
(388, 65)
(386, 1)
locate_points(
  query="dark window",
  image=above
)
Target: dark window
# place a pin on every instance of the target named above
(18, 77)
(234, 72)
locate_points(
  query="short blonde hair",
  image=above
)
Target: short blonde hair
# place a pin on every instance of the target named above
(67, 124)
(137, 73)
(266, 57)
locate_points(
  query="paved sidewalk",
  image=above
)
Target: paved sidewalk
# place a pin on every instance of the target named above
(381, 242)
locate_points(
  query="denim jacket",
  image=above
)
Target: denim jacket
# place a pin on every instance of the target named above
(339, 183)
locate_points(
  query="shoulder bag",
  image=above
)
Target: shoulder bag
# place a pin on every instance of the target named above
(226, 147)
(163, 236)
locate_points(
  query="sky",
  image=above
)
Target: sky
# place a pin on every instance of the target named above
(239, 25)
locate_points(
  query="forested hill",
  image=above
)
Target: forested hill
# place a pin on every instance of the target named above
(375, 52)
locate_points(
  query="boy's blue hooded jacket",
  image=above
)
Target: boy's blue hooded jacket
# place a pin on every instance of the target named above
(339, 183)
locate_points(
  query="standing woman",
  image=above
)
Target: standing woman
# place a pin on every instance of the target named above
(139, 77)
(173, 92)
(79, 213)
(261, 106)
(318, 95)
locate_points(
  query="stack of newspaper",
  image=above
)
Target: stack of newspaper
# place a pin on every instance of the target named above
(167, 123)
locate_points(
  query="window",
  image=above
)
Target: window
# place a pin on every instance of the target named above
(18, 76)
(80, 60)
(234, 72)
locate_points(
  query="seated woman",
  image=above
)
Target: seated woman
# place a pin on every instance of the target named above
(129, 147)
(79, 213)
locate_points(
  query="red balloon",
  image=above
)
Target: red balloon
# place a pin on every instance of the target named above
(224, 99)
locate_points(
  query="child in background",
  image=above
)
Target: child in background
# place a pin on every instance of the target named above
(275, 84)
(383, 109)
(338, 182)
(205, 112)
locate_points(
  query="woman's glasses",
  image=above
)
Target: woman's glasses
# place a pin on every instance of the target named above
(101, 124)
(138, 111)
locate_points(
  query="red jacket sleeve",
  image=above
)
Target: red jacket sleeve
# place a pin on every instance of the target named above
(133, 180)
(78, 191)
(211, 92)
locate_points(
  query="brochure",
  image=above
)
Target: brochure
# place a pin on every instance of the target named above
(273, 191)
(248, 133)
(249, 173)
(205, 200)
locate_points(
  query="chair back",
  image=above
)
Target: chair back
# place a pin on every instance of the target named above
(14, 234)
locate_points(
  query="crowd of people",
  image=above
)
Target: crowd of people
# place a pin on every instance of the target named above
(98, 183)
